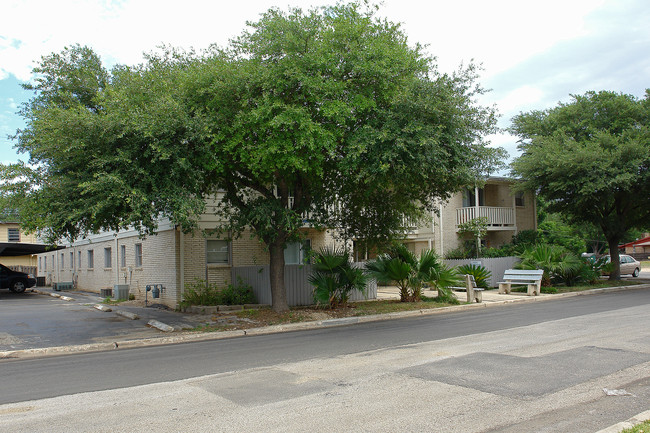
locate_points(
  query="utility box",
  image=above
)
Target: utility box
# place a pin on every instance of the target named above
(67, 285)
(121, 292)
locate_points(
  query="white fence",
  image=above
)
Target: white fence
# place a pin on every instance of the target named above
(296, 282)
(497, 266)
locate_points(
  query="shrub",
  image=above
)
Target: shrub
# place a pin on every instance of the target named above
(201, 292)
(458, 253)
(480, 273)
(239, 294)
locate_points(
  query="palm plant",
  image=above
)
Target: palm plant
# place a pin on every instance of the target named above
(557, 262)
(409, 273)
(334, 277)
(480, 273)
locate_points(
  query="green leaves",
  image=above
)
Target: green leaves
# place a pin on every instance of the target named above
(334, 277)
(590, 159)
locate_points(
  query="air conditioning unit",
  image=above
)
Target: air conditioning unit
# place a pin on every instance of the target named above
(121, 292)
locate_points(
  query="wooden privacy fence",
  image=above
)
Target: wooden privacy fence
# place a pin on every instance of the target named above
(296, 283)
(497, 266)
(25, 269)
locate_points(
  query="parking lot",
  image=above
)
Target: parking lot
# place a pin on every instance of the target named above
(30, 320)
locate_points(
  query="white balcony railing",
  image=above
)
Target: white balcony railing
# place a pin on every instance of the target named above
(497, 216)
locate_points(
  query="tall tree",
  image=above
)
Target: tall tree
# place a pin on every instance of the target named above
(590, 159)
(327, 115)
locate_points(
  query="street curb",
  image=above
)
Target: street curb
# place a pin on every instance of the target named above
(289, 327)
(638, 419)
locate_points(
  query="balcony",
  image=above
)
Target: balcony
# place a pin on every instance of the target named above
(499, 218)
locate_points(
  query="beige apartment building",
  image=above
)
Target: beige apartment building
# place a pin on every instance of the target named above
(507, 213)
(169, 258)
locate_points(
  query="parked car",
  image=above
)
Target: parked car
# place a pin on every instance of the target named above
(15, 281)
(629, 266)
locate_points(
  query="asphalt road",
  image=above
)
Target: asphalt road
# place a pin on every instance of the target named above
(49, 377)
(539, 366)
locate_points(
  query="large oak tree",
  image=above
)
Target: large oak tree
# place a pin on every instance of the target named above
(327, 116)
(590, 160)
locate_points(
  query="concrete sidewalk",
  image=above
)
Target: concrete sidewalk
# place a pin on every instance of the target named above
(489, 296)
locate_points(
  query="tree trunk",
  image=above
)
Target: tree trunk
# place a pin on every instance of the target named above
(615, 259)
(278, 291)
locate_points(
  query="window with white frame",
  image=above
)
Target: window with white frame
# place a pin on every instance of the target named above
(108, 258)
(78, 259)
(123, 256)
(297, 253)
(91, 259)
(62, 264)
(138, 255)
(13, 235)
(218, 251)
(71, 260)
(45, 263)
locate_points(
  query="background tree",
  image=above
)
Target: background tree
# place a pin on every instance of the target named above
(590, 160)
(328, 116)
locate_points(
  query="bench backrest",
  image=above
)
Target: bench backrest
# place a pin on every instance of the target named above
(523, 274)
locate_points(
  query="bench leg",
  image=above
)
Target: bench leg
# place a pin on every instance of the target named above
(533, 290)
(504, 288)
(478, 295)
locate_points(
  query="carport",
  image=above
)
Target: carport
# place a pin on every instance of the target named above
(17, 249)
(13, 249)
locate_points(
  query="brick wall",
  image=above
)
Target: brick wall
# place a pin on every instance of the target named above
(159, 260)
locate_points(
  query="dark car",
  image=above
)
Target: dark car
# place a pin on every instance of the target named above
(15, 281)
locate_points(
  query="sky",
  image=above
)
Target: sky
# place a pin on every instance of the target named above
(534, 54)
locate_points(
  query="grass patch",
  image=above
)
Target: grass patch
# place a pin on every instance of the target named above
(260, 317)
(645, 264)
(644, 427)
(210, 328)
(110, 301)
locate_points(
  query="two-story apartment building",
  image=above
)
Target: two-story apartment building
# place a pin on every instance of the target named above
(507, 213)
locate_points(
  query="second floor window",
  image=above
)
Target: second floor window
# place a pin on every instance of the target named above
(469, 197)
(519, 199)
(13, 235)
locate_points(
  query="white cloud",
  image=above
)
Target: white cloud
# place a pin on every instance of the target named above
(498, 33)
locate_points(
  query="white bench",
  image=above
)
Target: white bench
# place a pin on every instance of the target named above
(523, 277)
(473, 293)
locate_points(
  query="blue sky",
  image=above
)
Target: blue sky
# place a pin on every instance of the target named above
(534, 54)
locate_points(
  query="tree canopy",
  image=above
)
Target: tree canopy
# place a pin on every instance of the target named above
(590, 160)
(326, 115)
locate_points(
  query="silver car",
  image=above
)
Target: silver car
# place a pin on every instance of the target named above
(629, 266)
